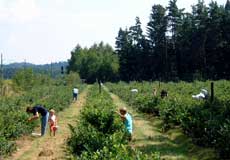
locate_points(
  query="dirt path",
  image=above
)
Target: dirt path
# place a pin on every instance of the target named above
(47, 147)
(172, 145)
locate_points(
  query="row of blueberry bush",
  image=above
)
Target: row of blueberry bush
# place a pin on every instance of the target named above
(206, 122)
(13, 117)
(99, 133)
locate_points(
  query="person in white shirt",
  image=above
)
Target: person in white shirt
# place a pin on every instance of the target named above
(202, 95)
(75, 93)
(53, 122)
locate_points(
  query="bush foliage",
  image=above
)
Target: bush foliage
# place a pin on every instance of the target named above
(13, 117)
(206, 121)
(100, 134)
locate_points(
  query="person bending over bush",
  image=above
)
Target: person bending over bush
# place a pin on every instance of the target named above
(127, 119)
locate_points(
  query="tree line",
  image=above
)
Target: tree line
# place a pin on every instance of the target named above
(177, 45)
(53, 69)
(97, 63)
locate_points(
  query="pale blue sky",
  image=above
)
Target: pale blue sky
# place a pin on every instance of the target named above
(44, 31)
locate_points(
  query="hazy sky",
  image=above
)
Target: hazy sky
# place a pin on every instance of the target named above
(44, 31)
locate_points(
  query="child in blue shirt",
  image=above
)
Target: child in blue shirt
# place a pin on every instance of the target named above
(127, 119)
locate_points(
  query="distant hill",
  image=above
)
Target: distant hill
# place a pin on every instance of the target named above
(10, 69)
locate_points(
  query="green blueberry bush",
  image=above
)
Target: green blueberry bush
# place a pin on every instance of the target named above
(205, 121)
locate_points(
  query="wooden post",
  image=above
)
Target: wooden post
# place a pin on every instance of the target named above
(159, 82)
(99, 83)
(212, 91)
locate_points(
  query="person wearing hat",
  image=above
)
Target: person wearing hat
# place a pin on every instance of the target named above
(127, 119)
(36, 110)
(53, 122)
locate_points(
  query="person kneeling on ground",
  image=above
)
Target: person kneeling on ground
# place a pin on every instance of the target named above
(127, 119)
(164, 94)
(44, 116)
(53, 122)
(202, 95)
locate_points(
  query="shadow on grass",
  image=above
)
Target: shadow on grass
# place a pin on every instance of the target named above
(138, 116)
(172, 151)
(154, 122)
(164, 145)
(155, 139)
(172, 144)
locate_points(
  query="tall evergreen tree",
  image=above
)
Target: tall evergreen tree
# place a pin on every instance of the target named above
(156, 33)
(214, 43)
(227, 5)
(123, 49)
(226, 36)
(136, 33)
(184, 47)
(137, 55)
(200, 19)
(174, 27)
(196, 46)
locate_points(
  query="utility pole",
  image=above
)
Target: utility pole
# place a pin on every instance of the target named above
(24, 74)
(62, 75)
(24, 65)
(51, 70)
(1, 66)
(1, 78)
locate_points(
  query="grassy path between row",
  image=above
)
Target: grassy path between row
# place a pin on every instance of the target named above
(49, 147)
(173, 145)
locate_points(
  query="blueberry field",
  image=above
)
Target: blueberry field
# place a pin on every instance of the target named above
(98, 132)
(13, 116)
(206, 122)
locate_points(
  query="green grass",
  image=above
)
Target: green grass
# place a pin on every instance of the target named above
(171, 145)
